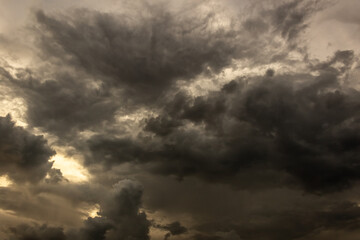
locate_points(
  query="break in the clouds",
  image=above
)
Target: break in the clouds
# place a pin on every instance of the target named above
(207, 120)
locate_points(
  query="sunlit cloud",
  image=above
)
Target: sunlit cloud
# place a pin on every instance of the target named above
(70, 168)
(5, 181)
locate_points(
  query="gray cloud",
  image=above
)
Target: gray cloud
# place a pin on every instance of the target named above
(232, 128)
(100, 63)
(23, 157)
(308, 131)
(48, 101)
(119, 216)
(36, 232)
(119, 219)
(174, 228)
(142, 57)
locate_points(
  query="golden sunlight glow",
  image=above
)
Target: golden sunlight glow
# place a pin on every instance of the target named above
(70, 168)
(94, 211)
(12, 105)
(4, 181)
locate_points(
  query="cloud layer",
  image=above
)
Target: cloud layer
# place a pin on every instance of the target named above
(202, 121)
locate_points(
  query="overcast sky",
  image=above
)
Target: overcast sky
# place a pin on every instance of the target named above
(179, 120)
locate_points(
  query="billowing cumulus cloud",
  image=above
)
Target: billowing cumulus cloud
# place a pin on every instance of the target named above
(306, 129)
(119, 218)
(23, 157)
(100, 62)
(229, 117)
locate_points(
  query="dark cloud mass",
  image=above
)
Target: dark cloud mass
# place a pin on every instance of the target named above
(141, 57)
(174, 228)
(23, 157)
(119, 218)
(308, 130)
(43, 232)
(207, 120)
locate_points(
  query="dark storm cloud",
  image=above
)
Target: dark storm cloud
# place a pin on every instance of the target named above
(102, 62)
(174, 228)
(268, 214)
(291, 224)
(143, 57)
(55, 176)
(206, 237)
(27, 232)
(94, 229)
(289, 18)
(65, 103)
(119, 218)
(122, 210)
(98, 63)
(249, 155)
(307, 130)
(227, 235)
(23, 157)
(63, 203)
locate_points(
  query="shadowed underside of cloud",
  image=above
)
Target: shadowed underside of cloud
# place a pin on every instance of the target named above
(119, 219)
(308, 130)
(23, 157)
(174, 228)
(140, 58)
(37, 232)
(99, 63)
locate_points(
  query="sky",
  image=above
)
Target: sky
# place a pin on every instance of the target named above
(179, 120)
